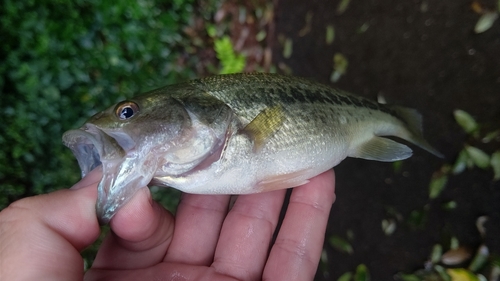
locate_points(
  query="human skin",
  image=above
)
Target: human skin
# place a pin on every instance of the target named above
(41, 237)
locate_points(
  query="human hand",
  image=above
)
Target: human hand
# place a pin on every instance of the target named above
(41, 237)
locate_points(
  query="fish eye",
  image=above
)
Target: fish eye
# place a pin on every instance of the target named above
(126, 110)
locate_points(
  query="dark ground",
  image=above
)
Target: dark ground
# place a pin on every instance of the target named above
(429, 60)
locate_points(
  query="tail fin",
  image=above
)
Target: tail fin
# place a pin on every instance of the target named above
(413, 120)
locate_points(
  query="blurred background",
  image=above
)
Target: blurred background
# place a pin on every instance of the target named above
(421, 219)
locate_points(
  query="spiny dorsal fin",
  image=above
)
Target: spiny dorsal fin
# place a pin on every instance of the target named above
(264, 125)
(382, 149)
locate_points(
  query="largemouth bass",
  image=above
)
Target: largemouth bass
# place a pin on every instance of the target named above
(235, 134)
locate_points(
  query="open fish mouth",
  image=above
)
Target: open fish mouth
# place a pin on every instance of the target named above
(91, 147)
(124, 170)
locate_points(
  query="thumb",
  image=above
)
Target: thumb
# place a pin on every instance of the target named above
(42, 236)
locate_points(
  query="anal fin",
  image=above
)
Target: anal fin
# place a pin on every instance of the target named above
(382, 149)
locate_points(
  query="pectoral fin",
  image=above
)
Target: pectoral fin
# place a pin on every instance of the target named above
(382, 149)
(264, 125)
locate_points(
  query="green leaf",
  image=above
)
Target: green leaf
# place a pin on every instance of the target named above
(442, 273)
(480, 225)
(261, 35)
(388, 226)
(345, 277)
(342, 7)
(350, 234)
(418, 218)
(362, 273)
(460, 274)
(211, 30)
(437, 184)
(480, 259)
(490, 136)
(454, 243)
(479, 157)
(408, 277)
(340, 64)
(287, 48)
(481, 277)
(330, 34)
(340, 244)
(324, 257)
(437, 251)
(231, 62)
(363, 28)
(465, 120)
(485, 22)
(450, 205)
(397, 166)
(460, 163)
(495, 269)
(495, 164)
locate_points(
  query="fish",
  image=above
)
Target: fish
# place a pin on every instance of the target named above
(236, 134)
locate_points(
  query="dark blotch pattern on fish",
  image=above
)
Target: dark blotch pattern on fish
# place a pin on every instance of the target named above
(286, 90)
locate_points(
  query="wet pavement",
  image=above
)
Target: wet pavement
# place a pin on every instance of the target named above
(420, 54)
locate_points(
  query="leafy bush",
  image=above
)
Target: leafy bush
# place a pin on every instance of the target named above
(65, 60)
(230, 61)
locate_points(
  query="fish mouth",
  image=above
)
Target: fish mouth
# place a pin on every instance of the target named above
(91, 147)
(124, 168)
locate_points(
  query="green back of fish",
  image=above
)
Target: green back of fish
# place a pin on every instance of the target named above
(267, 103)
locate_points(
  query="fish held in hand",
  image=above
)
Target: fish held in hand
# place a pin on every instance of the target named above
(235, 134)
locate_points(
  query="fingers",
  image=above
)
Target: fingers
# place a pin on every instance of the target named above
(141, 233)
(246, 235)
(43, 235)
(198, 223)
(296, 252)
(162, 271)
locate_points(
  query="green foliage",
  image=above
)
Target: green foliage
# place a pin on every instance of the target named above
(361, 274)
(230, 61)
(470, 156)
(340, 244)
(63, 61)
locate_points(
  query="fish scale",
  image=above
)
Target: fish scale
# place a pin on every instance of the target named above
(290, 90)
